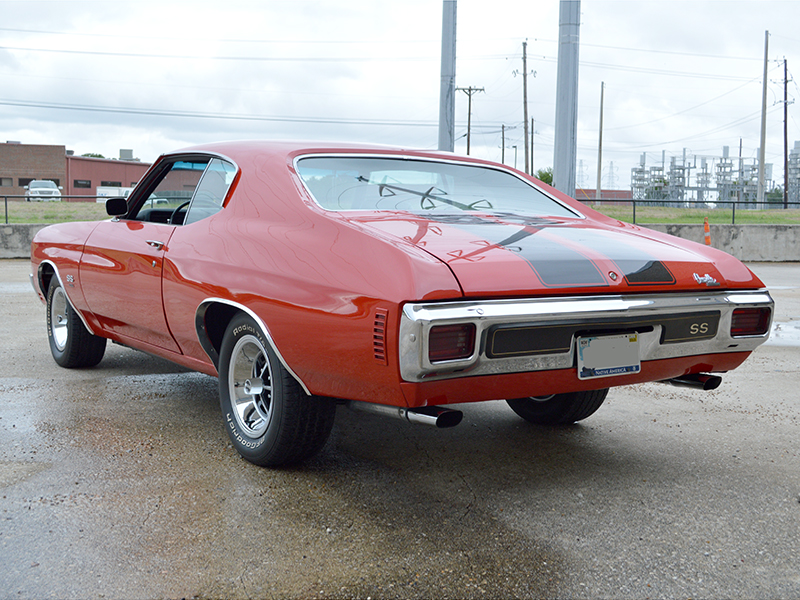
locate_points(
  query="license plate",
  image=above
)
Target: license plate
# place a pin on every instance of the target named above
(606, 356)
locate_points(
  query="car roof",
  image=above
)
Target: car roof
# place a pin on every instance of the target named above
(242, 150)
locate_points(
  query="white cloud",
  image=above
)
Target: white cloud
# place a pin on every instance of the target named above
(678, 74)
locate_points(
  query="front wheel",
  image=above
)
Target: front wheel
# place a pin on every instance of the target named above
(71, 344)
(270, 419)
(559, 409)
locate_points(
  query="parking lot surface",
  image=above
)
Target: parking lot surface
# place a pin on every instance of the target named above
(119, 482)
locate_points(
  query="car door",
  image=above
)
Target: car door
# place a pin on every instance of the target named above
(122, 264)
(121, 279)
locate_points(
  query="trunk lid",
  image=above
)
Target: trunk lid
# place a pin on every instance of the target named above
(493, 255)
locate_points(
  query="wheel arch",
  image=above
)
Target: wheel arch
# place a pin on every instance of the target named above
(44, 277)
(212, 318)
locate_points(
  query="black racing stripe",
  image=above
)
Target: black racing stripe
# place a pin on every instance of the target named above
(554, 263)
(638, 267)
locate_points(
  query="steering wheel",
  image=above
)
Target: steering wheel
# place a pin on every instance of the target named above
(172, 217)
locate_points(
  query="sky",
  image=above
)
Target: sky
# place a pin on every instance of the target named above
(155, 75)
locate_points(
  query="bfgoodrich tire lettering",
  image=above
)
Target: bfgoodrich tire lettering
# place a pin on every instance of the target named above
(71, 344)
(271, 421)
(559, 409)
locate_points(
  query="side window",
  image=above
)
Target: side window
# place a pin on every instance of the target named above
(211, 191)
(168, 199)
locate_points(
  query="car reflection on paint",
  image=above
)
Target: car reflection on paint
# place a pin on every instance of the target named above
(392, 281)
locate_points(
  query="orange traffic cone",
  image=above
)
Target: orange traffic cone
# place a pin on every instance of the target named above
(707, 232)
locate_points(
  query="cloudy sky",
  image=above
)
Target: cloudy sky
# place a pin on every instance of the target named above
(155, 75)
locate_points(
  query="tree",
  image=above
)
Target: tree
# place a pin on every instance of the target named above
(93, 155)
(545, 175)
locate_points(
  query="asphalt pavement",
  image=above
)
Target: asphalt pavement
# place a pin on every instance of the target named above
(119, 482)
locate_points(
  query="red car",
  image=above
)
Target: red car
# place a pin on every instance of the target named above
(394, 281)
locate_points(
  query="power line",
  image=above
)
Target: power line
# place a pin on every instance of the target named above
(223, 116)
(235, 58)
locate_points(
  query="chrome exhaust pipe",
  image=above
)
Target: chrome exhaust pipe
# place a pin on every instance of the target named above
(702, 381)
(425, 415)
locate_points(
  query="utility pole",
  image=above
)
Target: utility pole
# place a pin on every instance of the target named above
(566, 138)
(469, 91)
(598, 194)
(785, 137)
(532, 131)
(525, 99)
(447, 94)
(762, 154)
(503, 144)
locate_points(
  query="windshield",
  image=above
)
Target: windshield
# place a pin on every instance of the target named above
(43, 184)
(421, 186)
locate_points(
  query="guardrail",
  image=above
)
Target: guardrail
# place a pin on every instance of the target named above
(69, 198)
(733, 204)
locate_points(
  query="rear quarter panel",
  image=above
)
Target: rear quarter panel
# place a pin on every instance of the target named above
(315, 280)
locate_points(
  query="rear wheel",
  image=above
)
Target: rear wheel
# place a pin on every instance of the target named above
(71, 344)
(558, 409)
(270, 419)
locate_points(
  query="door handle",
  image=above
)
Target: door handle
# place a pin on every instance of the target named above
(156, 244)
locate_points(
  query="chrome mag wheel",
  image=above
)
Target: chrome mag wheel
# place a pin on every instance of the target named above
(250, 386)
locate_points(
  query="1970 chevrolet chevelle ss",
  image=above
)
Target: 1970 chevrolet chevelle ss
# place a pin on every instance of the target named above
(393, 281)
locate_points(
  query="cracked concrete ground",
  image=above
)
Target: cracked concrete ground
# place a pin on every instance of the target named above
(119, 482)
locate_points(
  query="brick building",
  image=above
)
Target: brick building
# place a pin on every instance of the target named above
(77, 175)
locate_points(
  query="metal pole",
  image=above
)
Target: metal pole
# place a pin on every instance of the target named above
(503, 144)
(525, 101)
(565, 148)
(598, 193)
(762, 149)
(447, 89)
(785, 137)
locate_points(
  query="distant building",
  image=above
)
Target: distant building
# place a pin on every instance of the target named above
(77, 175)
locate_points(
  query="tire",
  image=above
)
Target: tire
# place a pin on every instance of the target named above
(559, 409)
(270, 419)
(71, 344)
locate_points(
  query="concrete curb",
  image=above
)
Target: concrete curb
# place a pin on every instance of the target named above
(15, 240)
(749, 243)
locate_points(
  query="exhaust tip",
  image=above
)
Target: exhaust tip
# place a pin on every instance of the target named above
(702, 381)
(435, 415)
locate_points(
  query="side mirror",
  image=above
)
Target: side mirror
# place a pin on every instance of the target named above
(24, 187)
(116, 207)
(61, 187)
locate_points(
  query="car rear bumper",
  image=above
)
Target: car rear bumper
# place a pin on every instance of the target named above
(539, 334)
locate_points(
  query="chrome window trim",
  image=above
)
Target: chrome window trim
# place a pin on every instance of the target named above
(416, 320)
(411, 157)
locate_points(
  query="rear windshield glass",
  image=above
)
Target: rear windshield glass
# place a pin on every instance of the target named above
(420, 186)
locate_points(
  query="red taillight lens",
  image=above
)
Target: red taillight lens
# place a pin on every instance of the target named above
(750, 321)
(451, 342)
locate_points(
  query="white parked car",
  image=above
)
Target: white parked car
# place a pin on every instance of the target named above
(42, 190)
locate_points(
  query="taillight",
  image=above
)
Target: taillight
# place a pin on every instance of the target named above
(451, 342)
(750, 321)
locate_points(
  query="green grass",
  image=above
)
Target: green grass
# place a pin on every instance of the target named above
(20, 211)
(660, 214)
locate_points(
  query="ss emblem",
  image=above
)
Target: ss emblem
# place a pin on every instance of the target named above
(698, 328)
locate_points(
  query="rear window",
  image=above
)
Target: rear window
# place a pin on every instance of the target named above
(344, 183)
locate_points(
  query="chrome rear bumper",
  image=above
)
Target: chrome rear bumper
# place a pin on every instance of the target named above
(630, 312)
